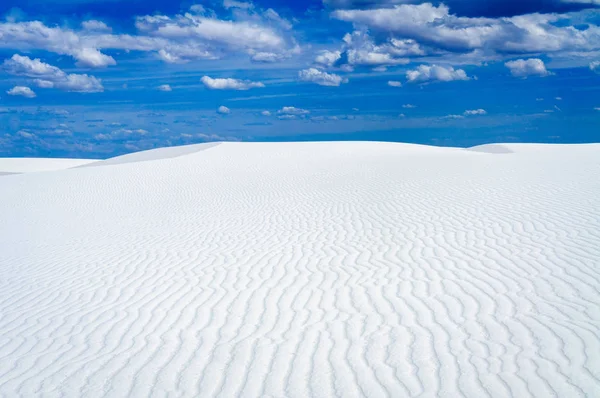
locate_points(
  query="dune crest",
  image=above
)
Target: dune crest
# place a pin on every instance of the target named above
(28, 165)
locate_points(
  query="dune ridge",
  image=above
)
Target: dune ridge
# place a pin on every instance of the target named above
(305, 269)
(28, 165)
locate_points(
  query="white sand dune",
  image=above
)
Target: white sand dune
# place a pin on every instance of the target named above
(305, 269)
(27, 165)
(154, 154)
(490, 148)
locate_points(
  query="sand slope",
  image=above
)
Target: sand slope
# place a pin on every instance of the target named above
(27, 165)
(305, 269)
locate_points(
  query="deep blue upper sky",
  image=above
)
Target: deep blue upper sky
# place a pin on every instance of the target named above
(97, 78)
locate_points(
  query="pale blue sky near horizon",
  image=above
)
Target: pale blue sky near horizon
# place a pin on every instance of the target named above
(94, 79)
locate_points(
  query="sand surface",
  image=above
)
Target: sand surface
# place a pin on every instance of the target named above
(305, 269)
(28, 165)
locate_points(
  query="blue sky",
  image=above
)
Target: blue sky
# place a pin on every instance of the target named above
(88, 78)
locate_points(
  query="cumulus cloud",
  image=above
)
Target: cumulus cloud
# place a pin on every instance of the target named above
(475, 112)
(198, 34)
(223, 110)
(321, 78)
(487, 8)
(291, 110)
(229, 84)
(237, 4)
(394, 83)
(34, 35)
(91, 57)
(165, 87)
(409, 106)
(328, 58)
(432, 73)
(265, 113)
(436, 32)
(595, 66)
(94, 25)
(359, 49)
(48, 76)
(530, 67)
(260, 34)
(21, 91)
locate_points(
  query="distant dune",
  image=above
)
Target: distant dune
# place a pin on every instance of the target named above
(25, 165)
(303, 269)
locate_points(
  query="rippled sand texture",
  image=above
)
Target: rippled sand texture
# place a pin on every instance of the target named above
(305, 269)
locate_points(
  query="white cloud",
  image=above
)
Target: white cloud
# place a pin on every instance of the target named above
(321, 78)
(359, 49)
(212, 37)
(48, 76)
(453, 117)
(94, 25)
(237, 4)
(328, 58)
(558, 98)
(595, 66)
(214, 137)
(35, 35)
(429, 73)
(438, 33)
(291, 110)
(409, 106)
(91, 57)
(121, 133)
(223, 110)
(529, 67)
(394, 83)
(197, 34)
(21, 91)
(595, 2)
(475, 112)
(265, 113)
(428, 23)
(229, 84)
(597, 109)
(273, 17)
(25, 134)
(197, 9)
(165, 87)
(266, 57)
